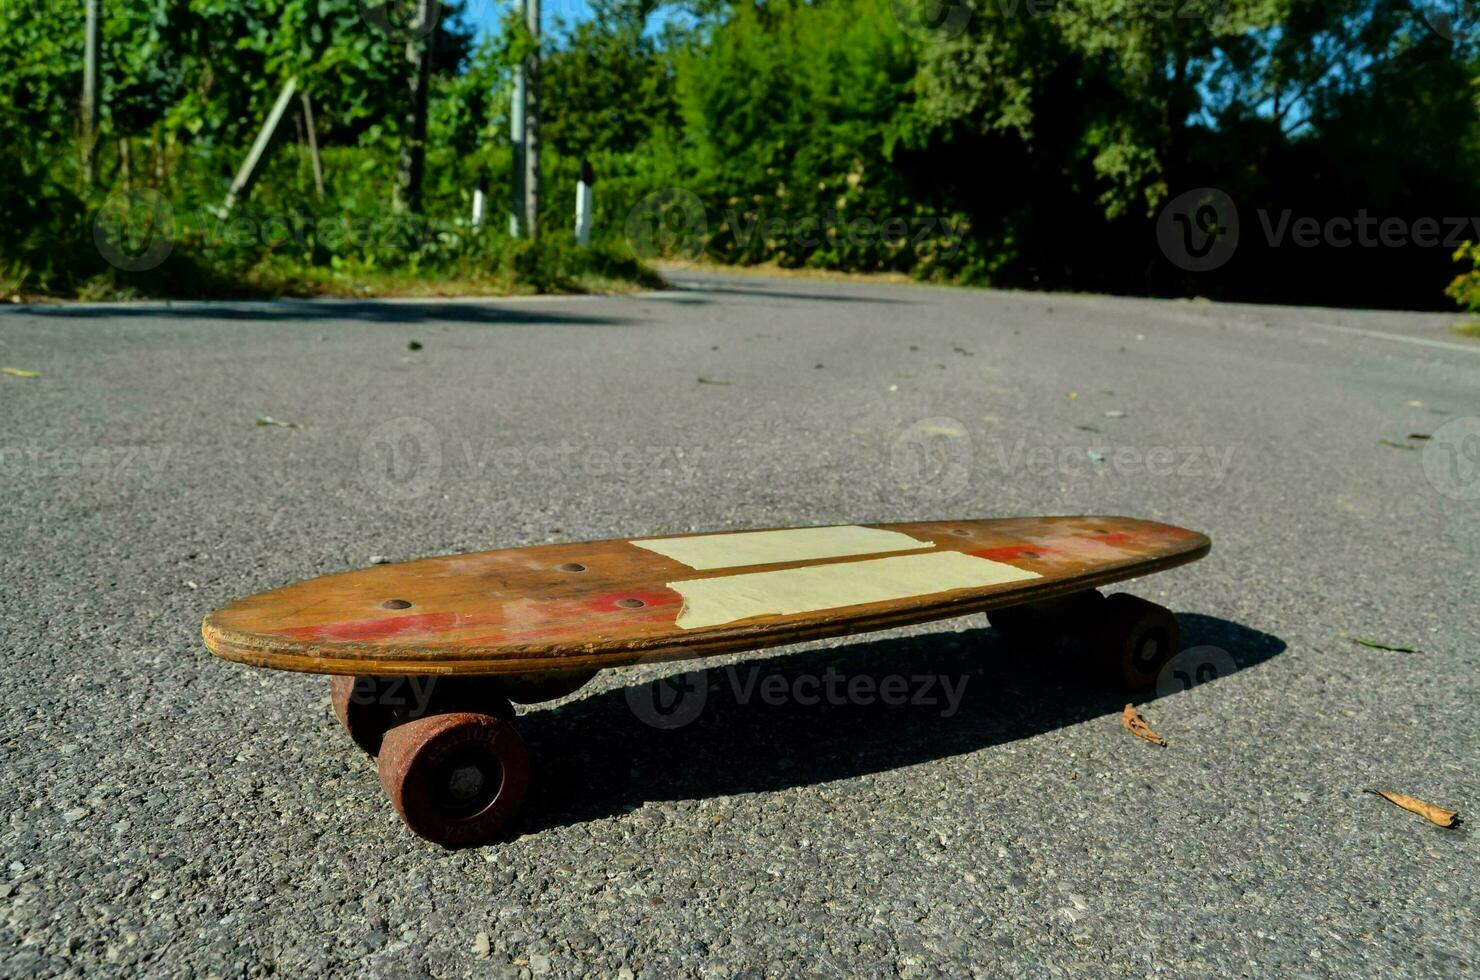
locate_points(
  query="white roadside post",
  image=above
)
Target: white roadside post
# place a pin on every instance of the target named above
(584, 203)
(479, 201)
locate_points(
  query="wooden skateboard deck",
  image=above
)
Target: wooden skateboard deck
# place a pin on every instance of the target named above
(551, 609)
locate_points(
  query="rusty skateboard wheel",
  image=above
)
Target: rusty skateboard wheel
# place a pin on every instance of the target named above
(361, 709)
(368, 707)
(534, 688)
(456, 779)
(1133, 640)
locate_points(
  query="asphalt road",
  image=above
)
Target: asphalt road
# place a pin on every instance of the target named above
(168, 813)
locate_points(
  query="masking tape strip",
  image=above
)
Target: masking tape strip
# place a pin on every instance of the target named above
(772, 547)
(812, 588)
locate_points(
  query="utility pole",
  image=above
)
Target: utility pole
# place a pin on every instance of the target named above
(90, 93)
(414, 141)
(532, 124)
(516, 143)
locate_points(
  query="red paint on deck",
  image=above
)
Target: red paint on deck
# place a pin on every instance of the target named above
(500, 621)
(1029, 551)
(375, 629)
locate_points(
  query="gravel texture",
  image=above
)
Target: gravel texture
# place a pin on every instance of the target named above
(168, 813)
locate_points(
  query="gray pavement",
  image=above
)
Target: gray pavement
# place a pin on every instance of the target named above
(170, 814)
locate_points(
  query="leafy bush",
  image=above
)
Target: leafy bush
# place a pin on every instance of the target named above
(1466, 286)
(1014, 146)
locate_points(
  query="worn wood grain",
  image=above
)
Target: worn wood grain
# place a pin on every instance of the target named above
(567, 607)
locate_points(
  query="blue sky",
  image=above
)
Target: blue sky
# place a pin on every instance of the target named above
(486, 14)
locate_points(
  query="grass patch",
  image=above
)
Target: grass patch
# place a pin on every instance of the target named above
(491, 266)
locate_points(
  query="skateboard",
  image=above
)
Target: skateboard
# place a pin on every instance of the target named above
(470, 635)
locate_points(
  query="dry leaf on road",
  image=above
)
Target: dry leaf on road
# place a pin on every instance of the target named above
(1136, 725)
(1430, 812)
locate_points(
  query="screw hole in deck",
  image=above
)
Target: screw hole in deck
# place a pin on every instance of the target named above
(395, 604)
(572, 566)
(631, 603)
